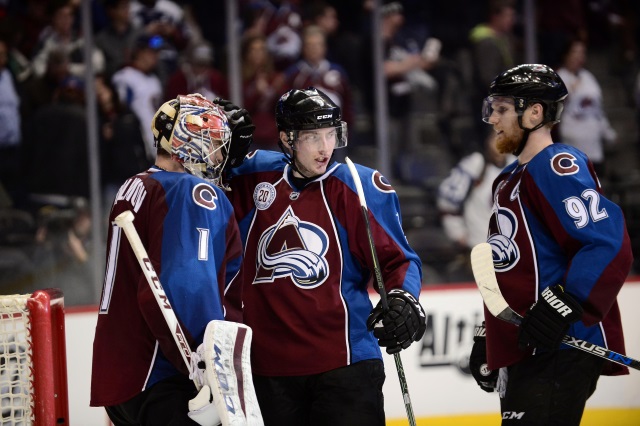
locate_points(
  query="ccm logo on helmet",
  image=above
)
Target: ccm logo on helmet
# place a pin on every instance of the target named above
(556, 303)
(322, 117)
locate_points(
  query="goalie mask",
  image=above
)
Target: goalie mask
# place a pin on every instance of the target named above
(196, 133)
(307, 110)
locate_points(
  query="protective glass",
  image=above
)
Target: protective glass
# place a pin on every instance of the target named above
(499, 105)
(316, 138)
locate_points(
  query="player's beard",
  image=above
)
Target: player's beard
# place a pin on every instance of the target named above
(509, 143)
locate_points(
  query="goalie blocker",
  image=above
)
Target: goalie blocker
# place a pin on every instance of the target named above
(223, 368)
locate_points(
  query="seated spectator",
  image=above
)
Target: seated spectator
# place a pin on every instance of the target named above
(139, 89)
(197, 75)
(57, 145)
(584, 122)
(10, 133)
(61, 35)
(164, 18)
(39, 91)
(262, 85)
(494, 50)
(313, 69)
(116, 40)
(280, 22)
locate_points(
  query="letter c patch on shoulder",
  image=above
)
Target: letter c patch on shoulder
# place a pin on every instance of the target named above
(564, 164)
(204, 196)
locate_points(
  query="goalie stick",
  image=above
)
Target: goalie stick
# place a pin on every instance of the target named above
(380, 286)
(125, 221)
(485, 276)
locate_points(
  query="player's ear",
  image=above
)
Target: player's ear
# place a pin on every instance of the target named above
(284, 139)
(536, 114)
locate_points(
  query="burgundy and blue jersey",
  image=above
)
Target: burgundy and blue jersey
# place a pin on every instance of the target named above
(189, 231)
(552, 224)
(307, 263)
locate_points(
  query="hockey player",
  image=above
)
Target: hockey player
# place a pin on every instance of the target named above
(189, 231)
(561, 253)
(307, 268)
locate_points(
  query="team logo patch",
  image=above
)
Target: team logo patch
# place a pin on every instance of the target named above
(564, 164)
(264, 195)
(504, 249)
(204, 196)
(295, 249)
(381, 182)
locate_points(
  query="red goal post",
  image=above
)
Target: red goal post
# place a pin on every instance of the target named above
(33, 366)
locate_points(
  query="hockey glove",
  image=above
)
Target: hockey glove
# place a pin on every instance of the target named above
(547, 321)
(403, 324)
(486, 379)
(241, 131)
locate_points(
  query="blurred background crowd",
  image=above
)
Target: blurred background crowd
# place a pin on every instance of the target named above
(438, 58)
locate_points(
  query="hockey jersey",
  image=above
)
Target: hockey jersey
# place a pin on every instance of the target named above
(551, 224)
(308, 263)
(192, 239)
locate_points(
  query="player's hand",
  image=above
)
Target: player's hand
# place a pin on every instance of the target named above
(403, 324)
(241, 131)
(547, 321)
(486, 379)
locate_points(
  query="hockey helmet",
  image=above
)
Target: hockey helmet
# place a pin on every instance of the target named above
(528, 84)
(193, 129)
(309, 109)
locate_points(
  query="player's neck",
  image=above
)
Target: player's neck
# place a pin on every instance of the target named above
(538, 140)
(169, 165)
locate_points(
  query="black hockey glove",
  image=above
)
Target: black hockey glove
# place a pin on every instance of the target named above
(547, 321)
(486, 379)
(241, 131)
(403, 324)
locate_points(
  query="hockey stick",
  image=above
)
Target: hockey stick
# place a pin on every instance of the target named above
(485, 276)
(125, 221)
(380, 285)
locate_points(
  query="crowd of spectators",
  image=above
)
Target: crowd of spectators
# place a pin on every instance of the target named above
(438, 59)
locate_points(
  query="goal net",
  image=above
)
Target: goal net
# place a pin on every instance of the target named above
(33, 373)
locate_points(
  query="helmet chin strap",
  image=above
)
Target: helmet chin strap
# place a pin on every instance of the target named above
(291, 159)
(525, 137)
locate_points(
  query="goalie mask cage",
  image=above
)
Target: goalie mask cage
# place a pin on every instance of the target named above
(33, 368)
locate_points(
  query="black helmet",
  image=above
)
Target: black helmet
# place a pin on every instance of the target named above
(306, 109)
(309, 109)
(532, 83)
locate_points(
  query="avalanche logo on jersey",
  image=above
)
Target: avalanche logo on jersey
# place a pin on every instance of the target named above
(504, 249)
(293, 248)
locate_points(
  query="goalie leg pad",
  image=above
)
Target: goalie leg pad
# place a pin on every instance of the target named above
(227, 351)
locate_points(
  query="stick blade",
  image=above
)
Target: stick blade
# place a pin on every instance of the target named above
(485, 276)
